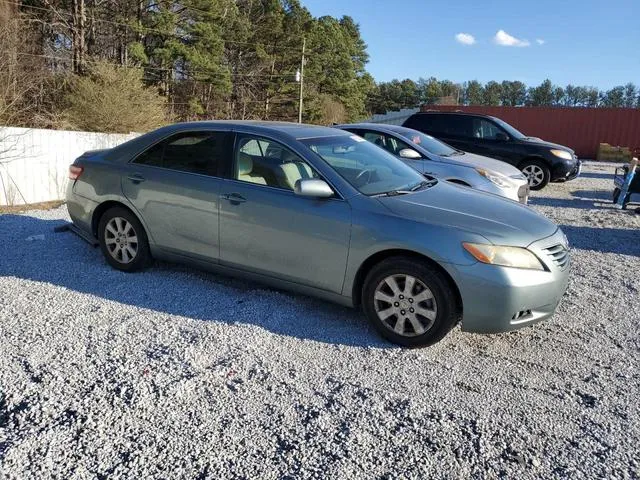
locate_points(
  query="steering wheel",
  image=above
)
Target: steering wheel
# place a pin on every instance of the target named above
(359, 180)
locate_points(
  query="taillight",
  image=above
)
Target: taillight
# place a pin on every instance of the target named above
(75, 171)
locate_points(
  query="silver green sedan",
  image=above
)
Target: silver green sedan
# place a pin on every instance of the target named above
(320, 211)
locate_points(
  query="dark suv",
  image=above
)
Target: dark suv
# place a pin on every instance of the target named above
(540, 161)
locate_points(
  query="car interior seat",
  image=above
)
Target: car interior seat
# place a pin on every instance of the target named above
(245, 170)
(291, 170)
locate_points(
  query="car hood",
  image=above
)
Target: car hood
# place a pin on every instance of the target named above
(478, 161)
(543, 143)
(501, 221)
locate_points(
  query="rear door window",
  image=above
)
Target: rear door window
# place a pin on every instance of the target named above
(456, 126)
(424, 123)
(446, 125)
(193, 152)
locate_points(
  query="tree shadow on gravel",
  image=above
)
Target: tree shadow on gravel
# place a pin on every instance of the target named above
(606, 240)
(63, 259)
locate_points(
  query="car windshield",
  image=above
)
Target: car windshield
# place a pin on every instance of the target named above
(368, 168)
(430, 144)
(510, 130)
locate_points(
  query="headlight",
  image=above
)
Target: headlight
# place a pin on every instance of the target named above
(562, 154)
(495, 177)
(506, 256)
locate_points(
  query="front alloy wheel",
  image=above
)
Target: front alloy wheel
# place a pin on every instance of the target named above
(405, 305)
(537, 174)
(410, 301)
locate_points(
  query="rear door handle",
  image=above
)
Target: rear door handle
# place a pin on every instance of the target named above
(234, 198)
(136, 178)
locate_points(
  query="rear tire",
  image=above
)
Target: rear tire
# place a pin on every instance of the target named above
(537, 173)
(409, 302)
(123, 240)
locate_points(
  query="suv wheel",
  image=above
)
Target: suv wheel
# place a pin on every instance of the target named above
(123, 240)
(409, 302)
(537, 173)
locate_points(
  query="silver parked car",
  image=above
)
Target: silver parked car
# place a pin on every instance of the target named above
(432, 157)
(321, 211)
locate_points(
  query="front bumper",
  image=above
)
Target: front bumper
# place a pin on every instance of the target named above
(566, 171)
(500, 299)
(576, 171)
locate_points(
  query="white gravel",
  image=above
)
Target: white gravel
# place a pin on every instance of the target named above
(174, 373)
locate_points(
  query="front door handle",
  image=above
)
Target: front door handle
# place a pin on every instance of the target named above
(136, 178)
(234, 198)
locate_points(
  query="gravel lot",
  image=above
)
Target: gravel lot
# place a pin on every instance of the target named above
(174, 373)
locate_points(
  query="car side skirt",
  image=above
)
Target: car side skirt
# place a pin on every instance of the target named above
(252, 276)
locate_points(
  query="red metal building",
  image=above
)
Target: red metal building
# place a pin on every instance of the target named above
(581, 129)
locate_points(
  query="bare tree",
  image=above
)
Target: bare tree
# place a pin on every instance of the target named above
(14, 87)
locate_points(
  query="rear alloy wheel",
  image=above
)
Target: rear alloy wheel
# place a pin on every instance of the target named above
(409, 302)
(537, 173)
(123, 240)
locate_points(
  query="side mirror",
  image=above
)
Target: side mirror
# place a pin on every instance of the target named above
(313, 188)
(409, 153)
(502, 137)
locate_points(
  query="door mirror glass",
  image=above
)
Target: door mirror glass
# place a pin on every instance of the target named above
(313, 188)
(409, 153)
(502, 137)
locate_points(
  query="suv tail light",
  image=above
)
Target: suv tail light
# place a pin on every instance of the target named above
(75, 171)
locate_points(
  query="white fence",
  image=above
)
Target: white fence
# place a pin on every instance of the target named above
(34, 164)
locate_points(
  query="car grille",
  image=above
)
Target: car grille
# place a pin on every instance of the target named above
(559, 255)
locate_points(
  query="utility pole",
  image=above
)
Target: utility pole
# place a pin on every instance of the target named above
(304, 43)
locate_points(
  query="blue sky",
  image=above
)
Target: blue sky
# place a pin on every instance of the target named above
(588, 42)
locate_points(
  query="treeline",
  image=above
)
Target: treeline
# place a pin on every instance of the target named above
(96, 65)
(399, 94)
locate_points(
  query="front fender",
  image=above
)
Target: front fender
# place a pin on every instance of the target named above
(376, 233)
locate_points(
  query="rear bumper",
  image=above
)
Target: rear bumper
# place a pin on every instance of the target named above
(80, 210)
(499, 299)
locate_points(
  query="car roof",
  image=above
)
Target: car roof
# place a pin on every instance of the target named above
(295, 130)
(381, 127)
(453, 112)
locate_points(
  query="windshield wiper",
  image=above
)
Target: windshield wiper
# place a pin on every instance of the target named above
(456, 152)
(402, 191)
(423, 184)
(392, 193)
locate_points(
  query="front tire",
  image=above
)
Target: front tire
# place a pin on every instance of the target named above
(123, 240)
(537, 173)
(409, 302)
